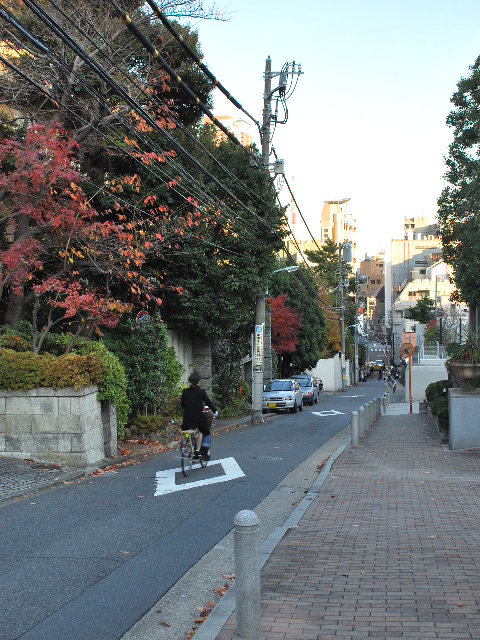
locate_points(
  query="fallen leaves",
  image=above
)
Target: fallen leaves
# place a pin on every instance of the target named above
(319, 466)
(209, 605)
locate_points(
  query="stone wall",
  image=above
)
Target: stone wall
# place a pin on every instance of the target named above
(63, 426)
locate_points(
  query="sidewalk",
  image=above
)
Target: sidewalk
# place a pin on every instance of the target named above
(389, 547)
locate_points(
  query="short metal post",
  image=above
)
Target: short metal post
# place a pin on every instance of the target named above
(355, 429)
(361, 421)
(370, 416)
(378, 410)
(247, 576)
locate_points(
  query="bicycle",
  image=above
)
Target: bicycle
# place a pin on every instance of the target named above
(392, 383)
(190, 449)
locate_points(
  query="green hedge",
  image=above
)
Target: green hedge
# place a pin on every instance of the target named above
(94, 365)
(439, 402)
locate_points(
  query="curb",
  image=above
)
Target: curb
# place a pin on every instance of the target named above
(219, 616)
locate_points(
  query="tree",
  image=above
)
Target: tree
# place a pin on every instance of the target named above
(285, 327)
(423, 311)
(300, 292)
(459, 203)
(73, 263)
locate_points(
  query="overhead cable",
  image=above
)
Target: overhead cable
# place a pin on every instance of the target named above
(193, 54)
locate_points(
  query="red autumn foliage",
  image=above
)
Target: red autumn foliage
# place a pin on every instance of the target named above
(286, 325)
(62, 252)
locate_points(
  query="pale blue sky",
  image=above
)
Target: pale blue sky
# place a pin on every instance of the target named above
(367, 120)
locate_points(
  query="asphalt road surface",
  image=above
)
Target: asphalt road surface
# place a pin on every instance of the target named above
(88, 560)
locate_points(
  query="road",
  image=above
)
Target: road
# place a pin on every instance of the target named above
(88, 560)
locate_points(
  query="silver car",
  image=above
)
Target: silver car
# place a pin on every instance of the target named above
(308, 387)
(282, 395)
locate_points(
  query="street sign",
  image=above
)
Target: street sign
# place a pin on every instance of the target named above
(406, 350)
(142, 318)
(258, 348)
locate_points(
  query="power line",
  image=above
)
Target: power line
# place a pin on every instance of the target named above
(168, 25)
(46, 18)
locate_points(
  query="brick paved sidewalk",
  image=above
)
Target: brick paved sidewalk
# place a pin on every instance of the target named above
(390, 548)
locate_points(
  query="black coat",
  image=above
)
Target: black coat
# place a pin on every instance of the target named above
(193, 400)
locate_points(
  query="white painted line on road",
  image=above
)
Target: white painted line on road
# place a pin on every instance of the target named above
(330, 412)
(165, 480)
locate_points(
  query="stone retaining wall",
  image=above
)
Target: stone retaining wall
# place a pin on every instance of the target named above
(60, 426)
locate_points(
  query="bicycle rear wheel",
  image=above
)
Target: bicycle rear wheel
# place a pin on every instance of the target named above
(187, 456)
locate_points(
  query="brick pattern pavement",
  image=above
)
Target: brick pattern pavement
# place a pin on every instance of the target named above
(390, 548)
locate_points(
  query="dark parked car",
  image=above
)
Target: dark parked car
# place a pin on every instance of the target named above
(308, 387)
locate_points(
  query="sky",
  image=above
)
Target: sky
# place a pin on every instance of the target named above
(367, 120)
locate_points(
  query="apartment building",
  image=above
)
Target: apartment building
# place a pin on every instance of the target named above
(241, 129)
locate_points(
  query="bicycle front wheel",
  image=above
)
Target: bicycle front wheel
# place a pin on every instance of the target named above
(187, 456)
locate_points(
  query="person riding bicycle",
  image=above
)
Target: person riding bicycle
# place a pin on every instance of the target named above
(193, 401)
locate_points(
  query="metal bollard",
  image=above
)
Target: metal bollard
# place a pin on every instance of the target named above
(247, 576)
(355, 429)
(378, 407)
(361, 421)
(374, 409)
(370, 423)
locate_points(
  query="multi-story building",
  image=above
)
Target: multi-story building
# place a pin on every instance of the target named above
(338, 222)
(241, 129)
(435, 283)
(418, 250)
(373, 292)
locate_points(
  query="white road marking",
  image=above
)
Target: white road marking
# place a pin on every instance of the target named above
(165, 480)
(330, 412)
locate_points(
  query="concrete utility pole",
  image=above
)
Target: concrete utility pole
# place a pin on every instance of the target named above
(258, 344)
(342, 317)
(344, 255)
(262, 347)
(267, 113)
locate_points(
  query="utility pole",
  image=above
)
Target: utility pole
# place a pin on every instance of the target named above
(262, 347)
(342, 317)
(258, 345)
(344, 255)
(267, 113)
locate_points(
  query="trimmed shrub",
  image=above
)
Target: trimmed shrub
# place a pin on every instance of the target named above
(438, 402)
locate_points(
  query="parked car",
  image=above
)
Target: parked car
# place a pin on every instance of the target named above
(282, 394)
(319, 383)
(309, 388)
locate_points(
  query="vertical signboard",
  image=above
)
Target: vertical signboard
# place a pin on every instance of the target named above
(258, 350)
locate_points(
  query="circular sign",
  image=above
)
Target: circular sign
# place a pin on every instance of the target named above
(142, 318)
(406, 350)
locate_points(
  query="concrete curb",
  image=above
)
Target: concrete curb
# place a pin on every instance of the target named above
(226, 606)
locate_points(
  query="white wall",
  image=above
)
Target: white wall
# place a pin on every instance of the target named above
(422, 376)
(330, 372)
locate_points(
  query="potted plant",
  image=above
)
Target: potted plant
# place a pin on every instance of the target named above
(464, 361)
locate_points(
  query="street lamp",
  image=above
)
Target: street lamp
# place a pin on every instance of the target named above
(262, 350)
